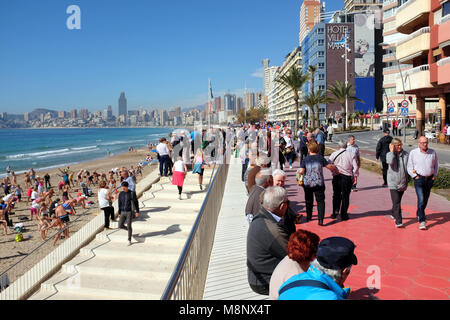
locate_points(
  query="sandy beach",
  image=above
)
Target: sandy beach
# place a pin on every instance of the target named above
(11, 252)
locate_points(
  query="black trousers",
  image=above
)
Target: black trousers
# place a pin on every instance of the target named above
(396, 197)
(164, 165)
(126, 217)
(109, 214)
(180, 189)
(244, 168)
(385, 170)
(319, 193)
(342, 187)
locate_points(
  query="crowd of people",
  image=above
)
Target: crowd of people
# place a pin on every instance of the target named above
(286, 263)
(52, 203)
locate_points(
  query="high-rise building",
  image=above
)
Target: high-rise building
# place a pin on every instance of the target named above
(84, 114)
(123, 104)
(366, 5)
(74, 114)
(259, 100)
(61, 114)
(218, 104)
(163, 117)
(425, 45)
(281, 103)
(310, 14)
(229, 101)
(249, 100)
(26, 116)
(239, 104)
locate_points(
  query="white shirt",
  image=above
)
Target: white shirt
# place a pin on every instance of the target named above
(162, 149)
(102, 201)
(179, 166)
(425, 164)
(34, 195)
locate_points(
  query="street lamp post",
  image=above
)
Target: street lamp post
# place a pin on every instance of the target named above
(346, 61)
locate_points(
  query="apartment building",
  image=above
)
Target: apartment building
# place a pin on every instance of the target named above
(426, 46)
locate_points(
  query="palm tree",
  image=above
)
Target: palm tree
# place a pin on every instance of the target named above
(312, 101)
(295, 80)
(343, 93)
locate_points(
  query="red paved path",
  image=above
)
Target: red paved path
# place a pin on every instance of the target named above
(414, 264)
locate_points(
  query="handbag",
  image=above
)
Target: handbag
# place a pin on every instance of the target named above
(299, 178)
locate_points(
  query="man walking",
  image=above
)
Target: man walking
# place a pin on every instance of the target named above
(128, 205)
(353, 148)
(382, 150)
(343, 179)
(423, 167)
(163, 156)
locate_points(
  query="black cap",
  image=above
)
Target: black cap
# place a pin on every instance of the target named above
(386, 131)
(336, 253)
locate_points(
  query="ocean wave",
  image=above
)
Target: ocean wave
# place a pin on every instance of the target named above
(84, 148)
(65, 153)
(35, 154)
(114, 143)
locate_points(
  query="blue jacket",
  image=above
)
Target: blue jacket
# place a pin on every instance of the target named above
(313, 293)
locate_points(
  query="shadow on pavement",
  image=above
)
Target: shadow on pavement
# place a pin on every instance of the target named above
(435, 219)
(170, 230)
(364, 294)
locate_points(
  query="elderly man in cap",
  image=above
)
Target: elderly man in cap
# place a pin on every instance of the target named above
(326, 275)
(382, 151)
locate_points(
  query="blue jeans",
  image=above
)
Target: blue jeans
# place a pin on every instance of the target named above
(423, 188)
(164, 165)
(290, 156)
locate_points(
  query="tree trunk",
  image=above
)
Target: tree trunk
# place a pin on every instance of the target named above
(296, 115)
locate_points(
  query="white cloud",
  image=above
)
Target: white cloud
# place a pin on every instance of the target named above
(258, 73)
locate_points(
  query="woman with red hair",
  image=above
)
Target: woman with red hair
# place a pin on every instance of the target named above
(301, 250)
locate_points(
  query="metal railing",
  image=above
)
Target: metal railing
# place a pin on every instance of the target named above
(188, 279)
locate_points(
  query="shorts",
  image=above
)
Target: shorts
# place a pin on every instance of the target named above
(33, 211)
(64, 218)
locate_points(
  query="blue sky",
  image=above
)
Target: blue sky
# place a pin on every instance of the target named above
(161, 53)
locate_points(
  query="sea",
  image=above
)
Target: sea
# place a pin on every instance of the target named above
(44, 149)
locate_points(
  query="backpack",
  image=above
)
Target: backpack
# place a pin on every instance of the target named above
(19, 237)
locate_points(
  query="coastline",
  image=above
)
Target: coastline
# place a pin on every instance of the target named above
(128, 127)
(12, 251)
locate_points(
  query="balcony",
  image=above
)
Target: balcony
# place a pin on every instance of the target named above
(443, 71)
(413, 45)
(414, 79)
(444, 31)
(411, 14)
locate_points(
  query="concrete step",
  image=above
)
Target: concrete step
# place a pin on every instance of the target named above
(172, 195)
(151, 226)
(186, 188)
(162, 252)
(100, 286)
(120, 267)
(172, 236)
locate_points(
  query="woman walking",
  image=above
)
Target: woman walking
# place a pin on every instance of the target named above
(105, 199)
(199, 166)
(313, 181)
(179, 172)
(397, 177)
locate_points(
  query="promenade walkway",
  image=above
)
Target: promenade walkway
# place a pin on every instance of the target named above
(227, 272)
(412, 263)
(109, 269)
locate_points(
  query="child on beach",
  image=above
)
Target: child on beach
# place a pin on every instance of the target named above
(179, 172)
(199, 166)
(29, 191)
